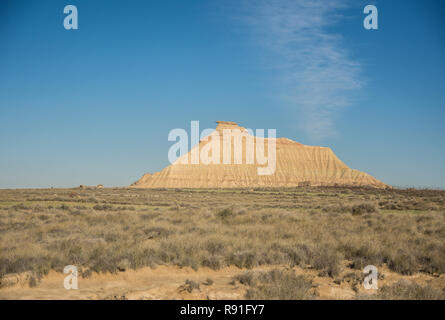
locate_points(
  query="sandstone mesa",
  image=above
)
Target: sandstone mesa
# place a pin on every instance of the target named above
(296, 165)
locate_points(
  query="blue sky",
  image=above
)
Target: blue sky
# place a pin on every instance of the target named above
(95, 105)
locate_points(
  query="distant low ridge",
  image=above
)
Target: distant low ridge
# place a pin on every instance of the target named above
(296, 165)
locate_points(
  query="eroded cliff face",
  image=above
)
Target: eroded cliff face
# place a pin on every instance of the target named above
(296, 165)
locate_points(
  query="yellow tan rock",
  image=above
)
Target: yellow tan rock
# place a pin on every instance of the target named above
(296, 165)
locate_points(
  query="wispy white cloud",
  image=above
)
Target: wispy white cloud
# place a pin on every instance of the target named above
(318, 71)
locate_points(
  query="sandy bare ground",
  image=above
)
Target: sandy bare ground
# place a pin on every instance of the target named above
(168, 282)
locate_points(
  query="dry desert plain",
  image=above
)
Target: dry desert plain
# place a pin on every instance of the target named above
(264, 243)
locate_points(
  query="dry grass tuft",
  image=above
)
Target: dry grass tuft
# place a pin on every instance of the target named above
(405, 290)
(276, 285)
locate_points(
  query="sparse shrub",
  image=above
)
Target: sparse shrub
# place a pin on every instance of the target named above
(362, 208)
(215, 246)
(102, 207)
(214, 262)
(328, 260)
(43, 217)
(148, 216)
(354, 278)
(339, 208)
(362, 255)
(208, 282)
(244, 259)
(157, 232)
(102, 260)
(86, 273)
(64, 207)
(248, 278)
(38, 209)
(298, 254)
(403, 263)
(360, 262)
(33, 281)
(92, 199)
(406, 290)
(20, 206)
(225, 213)
(189, 286)
(276, 285)
(435, 262)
